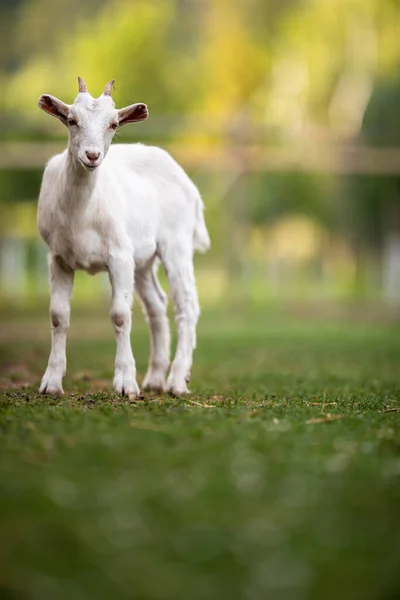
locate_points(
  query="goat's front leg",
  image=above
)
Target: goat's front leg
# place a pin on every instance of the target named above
(61, 284)
(121, 271)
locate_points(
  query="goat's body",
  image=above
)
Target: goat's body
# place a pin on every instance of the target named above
(139, 198)
(138, 205)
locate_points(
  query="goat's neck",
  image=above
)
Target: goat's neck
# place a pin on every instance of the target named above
(78, 184)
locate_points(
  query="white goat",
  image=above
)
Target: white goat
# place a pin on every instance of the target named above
(120, 210)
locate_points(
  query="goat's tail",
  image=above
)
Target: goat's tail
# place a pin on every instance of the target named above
(201, 239)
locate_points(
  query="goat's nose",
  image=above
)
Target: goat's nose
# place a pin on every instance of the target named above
(92, 155)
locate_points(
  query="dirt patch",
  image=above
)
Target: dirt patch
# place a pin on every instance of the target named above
(16, 376)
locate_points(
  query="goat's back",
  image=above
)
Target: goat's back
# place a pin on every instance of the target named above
(178, 198)
(153, 162)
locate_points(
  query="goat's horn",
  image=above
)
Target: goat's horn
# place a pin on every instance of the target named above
(82, 86)
(108, 88)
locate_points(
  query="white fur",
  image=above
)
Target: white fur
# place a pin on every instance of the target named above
(120, 211)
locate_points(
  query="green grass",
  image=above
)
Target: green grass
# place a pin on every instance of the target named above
(247, 491)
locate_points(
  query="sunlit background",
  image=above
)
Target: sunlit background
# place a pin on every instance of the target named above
(284, 112)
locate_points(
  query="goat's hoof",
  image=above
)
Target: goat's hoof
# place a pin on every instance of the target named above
(126, 385)
(50, 386)
(178, 390)
(154, 383)
(51, 391)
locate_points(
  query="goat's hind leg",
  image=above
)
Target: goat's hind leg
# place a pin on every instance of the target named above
(178, 263)
(154, 302)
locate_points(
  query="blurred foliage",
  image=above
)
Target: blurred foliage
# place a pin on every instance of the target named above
(371, 204)
(286, 63)
(227, 73)
(291, 193)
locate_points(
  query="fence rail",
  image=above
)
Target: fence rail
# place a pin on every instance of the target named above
(306, 157)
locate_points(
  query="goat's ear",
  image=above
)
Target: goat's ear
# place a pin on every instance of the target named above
(133, 113)
(54, 107)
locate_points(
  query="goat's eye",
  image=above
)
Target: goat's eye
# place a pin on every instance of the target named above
(113, 125)
(72, 122)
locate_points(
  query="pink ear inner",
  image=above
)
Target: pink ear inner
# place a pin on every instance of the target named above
(53, 106)
(133, 114)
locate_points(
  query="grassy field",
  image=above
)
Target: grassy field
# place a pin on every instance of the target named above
(279, 478)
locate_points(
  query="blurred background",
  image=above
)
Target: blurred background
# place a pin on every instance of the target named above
(284, 112)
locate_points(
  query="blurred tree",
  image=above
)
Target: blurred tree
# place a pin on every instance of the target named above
(134, 42)
(286, 64)
(280, 194)
(371, 212)
(9, 10)
(291, 69)
(32, 27)
(232, 64)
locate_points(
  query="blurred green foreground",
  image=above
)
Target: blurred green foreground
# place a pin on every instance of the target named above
(278, 478)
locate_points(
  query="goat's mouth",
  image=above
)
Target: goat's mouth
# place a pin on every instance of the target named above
(88, 166)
